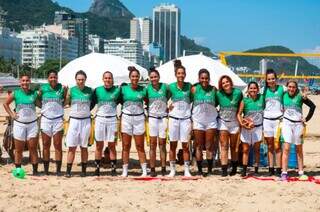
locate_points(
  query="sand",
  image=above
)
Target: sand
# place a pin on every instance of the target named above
(116, 194)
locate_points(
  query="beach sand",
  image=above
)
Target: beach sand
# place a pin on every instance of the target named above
(116, 194)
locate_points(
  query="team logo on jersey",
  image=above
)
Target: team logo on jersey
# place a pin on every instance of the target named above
(160, 92)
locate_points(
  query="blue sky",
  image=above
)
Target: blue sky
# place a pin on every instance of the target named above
(237, 25)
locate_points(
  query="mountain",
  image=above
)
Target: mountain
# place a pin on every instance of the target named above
(281, 64)
(107, 18)
(110, 9)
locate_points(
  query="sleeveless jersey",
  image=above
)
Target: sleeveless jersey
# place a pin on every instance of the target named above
(229, 104)
(292, 106)
(273, 102)
(181, 100)
(253, 108)
(25, 105)
(52, 101)
(204, 104)
(107, 100)
(80, 102)
(133, 99)
(157, 100)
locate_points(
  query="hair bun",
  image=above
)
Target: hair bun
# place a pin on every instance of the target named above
(177, 63)
(131, 68)
(152, 68)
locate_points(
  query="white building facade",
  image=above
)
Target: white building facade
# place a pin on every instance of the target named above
(44, 43)
(127, 48)
(141, 30)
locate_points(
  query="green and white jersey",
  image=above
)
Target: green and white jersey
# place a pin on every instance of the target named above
(204, 104)
(80, 102)
(25, 105)
(229, 104)
(292, 106)
(107, 100)
(181, 100)
(253, 108)
(133, 99)
(273, 102)
(52, 101)
(157, 100)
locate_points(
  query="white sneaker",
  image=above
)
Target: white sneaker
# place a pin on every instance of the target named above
(172, 173)
(124, 170)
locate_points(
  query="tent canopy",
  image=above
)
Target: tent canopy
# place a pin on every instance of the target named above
(95, 64)
(193, 63)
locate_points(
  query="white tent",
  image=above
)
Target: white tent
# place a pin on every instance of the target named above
(193, 64)
(95, 64)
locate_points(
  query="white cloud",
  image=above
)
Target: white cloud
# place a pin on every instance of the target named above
(314, 50)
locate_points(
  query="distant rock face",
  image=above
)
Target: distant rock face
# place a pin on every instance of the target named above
(110, 9)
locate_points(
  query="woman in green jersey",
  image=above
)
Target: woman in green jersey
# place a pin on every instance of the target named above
(251, 108)
(25, 127)
(293, 125)
(272, 115)
(229, 99)
(157, 97)
(79, 98)
(180, 118)
(133, 120)
(52, 95)
(204, 117)
(107, 98)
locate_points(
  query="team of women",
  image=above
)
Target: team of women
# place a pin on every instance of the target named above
(174, 111)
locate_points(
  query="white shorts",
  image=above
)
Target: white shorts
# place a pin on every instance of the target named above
(158, 127)
(51, 127)
(232, 127)
(78, 132)
(204, 126)
(251, 136)
(105, 129)
(292, 132)
(133, 125)
(179, 130)
(270, 128)
(24, 132)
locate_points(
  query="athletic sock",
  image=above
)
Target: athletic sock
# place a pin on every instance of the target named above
(58, 167)
(124, 170)
(35, 169)
(46, 167)
(256, 169)
(144, 169)
(271, 171)
(163, 171)
(186, 169)
(210, 164)
(83, 169)
(113, 167)
(172, 169)
(97, 172)
(153, 172)
(69, 167)
(278, 171)
(199, 164)
(234, 165)
(244, 171)
(224, 169)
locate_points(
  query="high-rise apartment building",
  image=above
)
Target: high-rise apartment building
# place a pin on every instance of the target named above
(141, 30)
(166, 30)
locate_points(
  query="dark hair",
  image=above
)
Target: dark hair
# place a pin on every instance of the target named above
(81, 73)
(224, 77)
(24, 74)
(132, 69)
(254, 83)
(153, 70)
(271, 71)
(177, 65)
(296, 83)
(203, 71)
(52, 71)
(107, 72)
